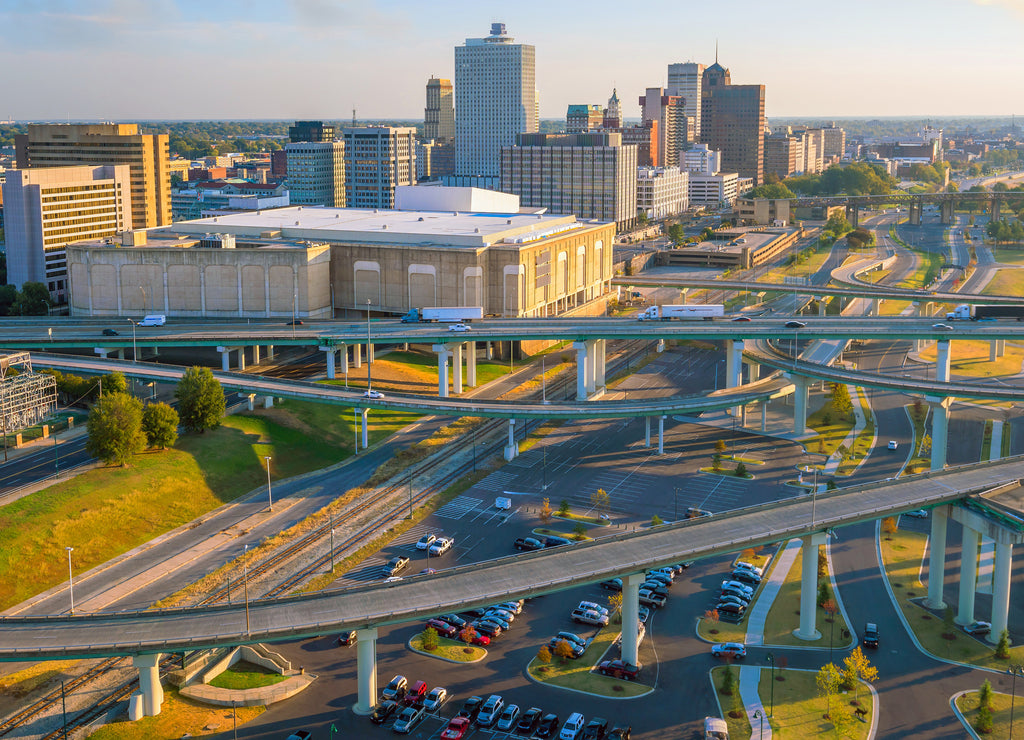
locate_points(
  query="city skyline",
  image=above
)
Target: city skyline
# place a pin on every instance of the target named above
(127, 59)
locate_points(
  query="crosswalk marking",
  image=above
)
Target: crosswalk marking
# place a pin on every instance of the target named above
(458, 507)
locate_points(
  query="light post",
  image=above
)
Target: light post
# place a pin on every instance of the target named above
(71, 581)
(245, 585)
(1014, 671)
(675, 498)
(369, 361)
(270, 497)
(770, 657)
(332, 549)
(135, 350)
(543, 382)
(145, 301)
(758, 714)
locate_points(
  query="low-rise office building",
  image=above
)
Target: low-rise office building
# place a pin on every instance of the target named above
(661, 191)
(734, 249)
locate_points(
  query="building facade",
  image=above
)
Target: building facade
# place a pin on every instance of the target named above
(713, 191)
(316, 173)
(732, 122)
(308, 131)
(579, 119)
(685, 80)
(613, 113)
(784, 154)
(377, 160)
(439, 113)
(592, 176)
(702, 160)
(147, 157)
(47, 208)
(434, 159)
(662, 191)
(675, 128)
(495, 99)
(833, 142)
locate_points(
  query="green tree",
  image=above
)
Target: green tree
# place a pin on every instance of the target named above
(840, 397)
(716, 462)
(657, 521)
(114, 382)
(983, 723)
(728, 682)
(200, 399)
(115, 429)
(33, 300)
(837, 224)
(160, 423)
(830, 485)
(8, 295)
(1003, 646)
(829, 678)
(741, 470)
(579, 530)
(563, 508)
(600, 500)
(429, 639)
(775, 191)
(824, 593)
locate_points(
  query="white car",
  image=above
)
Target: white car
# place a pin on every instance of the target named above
(441, 545)
(593, 607)
(508, 718)
(435, 698)
(892, 444)
(392, 579)
(426, 541)
(917, 514)
(372, 394)
(503, 502)
(458, 327)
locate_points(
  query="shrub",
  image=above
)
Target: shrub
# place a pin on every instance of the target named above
(429, 640)
(741, 470)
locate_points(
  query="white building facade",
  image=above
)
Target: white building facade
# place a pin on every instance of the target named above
(718, 190)
(700, 159)
(661, 191)
(685, 79)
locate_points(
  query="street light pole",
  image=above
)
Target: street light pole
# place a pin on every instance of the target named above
(71, 581)
(135, 350)
(369, 363)
(770, 657)
(332, 549)
(758, 714)
(1014, 671)
(270, 497)
(245, 585)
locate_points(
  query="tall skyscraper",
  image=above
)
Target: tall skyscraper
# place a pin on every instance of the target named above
(47, 208)
(439, 113)
(147, 156)
(685, 80)
(732, 121)
(310, 131)
(675, 129)
(495, 99)
(377, 160)
(316, 173)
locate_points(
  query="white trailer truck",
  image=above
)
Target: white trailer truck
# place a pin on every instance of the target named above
(444, 313)
(706, 311)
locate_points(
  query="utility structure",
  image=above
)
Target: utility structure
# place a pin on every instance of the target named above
(26, 398)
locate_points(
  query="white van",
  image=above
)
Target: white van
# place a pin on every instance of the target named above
(154, 319)
(715, 729)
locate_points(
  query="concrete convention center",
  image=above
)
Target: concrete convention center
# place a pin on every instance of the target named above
(440, 247)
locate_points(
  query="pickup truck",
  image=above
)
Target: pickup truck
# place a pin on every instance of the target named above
(528, 543)
(589, 616)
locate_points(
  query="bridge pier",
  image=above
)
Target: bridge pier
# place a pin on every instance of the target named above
(102, 351)
(357, 355)
(366, 670)
(631, 616)
(364, 425)
(443, 353)
(1000, 590)
(915, 210)
(800, 386)
(331, 355)
(968, 575)
(471, 364)
(661, 435)
(582, 371)
(942, 360)
(936, 560)
(733, 366)
(647, 431)
(876, 307)
(601, 347)
(853, 214)
(270, 352)
(822, 305)
(255, 354)
(512, 448)
(940, 430)
(764, 416)
(457, 368)
(225, 357)
(995, 209)
(809, 586)
(151, 692)
(753, 372)
(946, 212)
(996, 349)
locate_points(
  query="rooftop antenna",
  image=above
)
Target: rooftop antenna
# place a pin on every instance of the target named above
(716, 51)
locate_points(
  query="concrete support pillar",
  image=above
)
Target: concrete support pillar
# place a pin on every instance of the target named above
(764, 416)
(876, 307)
(149, 683)
(809, 587)
(940, 431)
(647, 431)
(661, 435)
(364, 424)
(936, 560)
(800, 405)
(915, 214)
(225, 358)
(1000, 590)
(489, 351)
(631, 616)
(822, 306)
(255, 354)
(733, 363)
(101, 351)
(357, 355)
(601, 346)
(582, 360)
(370, 353)
(946, 212)
(241, 359)
(753, 372)
(252, 401)
(1000, 347)
(471, 364)
(942, 361)
(366, 670)
(443, 353)
(270, 352)
(330, 353)
(120, 354)
(591, 367)
(268, 402)
(512, 448)
(995, 209)
(457, 368)
(968, 575)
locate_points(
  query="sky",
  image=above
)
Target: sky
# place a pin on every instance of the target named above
(319, 59)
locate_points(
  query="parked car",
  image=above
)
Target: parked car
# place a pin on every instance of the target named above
(742, 565)
(619, 669)
(661, 577)
(454, 620)
(488, 629)
(442, 545)
(443, 628)
(490, 711)
(555, 541)
(494, 619)
(571, 637)
(573, 727)
(383, 711)
(395, 565)
(475, 639)
(734, 650)
(528, 543)
(437, 696)
(300, 735)
(594, 606)
(589, 616)
(746, 577)
(516, 607)
(456, 729)
(595, 729)
(508, 718)
(917, 514)
(548, 726)
(504, 614)
(650, 598)
(408, 719)
(644, 613)
(396, 688)
(730, 608)
(426, 541)
(416, 694)
(870, 638)
(347, 639)
(620, 732)
(668, 570)
(733, 599)
(528, 720)
(737, 585)
(612, 584)
(471, 707)
(978, 628)
(694, 513)
(577, 649)
(656, 586)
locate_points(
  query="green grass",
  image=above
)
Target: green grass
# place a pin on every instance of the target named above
(449, 649)
(739, 726)
(799, 708)
(1005, 282)
(593, 520)
(105, 512)
(861, 443)
(575, 674)
(1008, 255)
(177, 717)
(831, 434)
(559, 533)
(901, 554)
(726, 472)
(918, 463)
(784, 615)
(968, 704)
(243, 676)
(970, 358)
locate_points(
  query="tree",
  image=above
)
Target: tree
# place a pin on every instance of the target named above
(563, 650)
(824, 593)
(1003, 646)
(429, 640)
(544, 655)
(563, 508)
(720, 447)
(8, 295)
(200, 399)
(828, 680)
(600, 500)
(545, 510)
(840, 397)
(160, 423)
(33, 300)
(837, 224)
(776, 191)
(889, 525)
(857, 668)
(579, 530)
(716, 462)
(114, 382)
(728, 681)
(741, 470)
(615, 602)
(983, 723)
(468, 634)
(115, 429)
(657, 521)
(830, 484)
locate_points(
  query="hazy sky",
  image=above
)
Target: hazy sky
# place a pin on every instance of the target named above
(234, 59)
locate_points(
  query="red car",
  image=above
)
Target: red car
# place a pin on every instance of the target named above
(416, 694)
(443, 628)
(477, 639)
(619, 669)
(456, 729)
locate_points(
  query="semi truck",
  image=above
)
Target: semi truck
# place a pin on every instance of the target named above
(443, 313)
(967, 312)
(706, 311)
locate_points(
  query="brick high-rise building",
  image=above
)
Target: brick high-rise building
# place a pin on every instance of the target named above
(581, 118)
(377, 160)
(439, 113)
(96, 144)
(675, 128)
(732, 121)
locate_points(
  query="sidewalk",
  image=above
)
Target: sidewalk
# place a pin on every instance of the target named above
(750, 680)
(769, 591)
